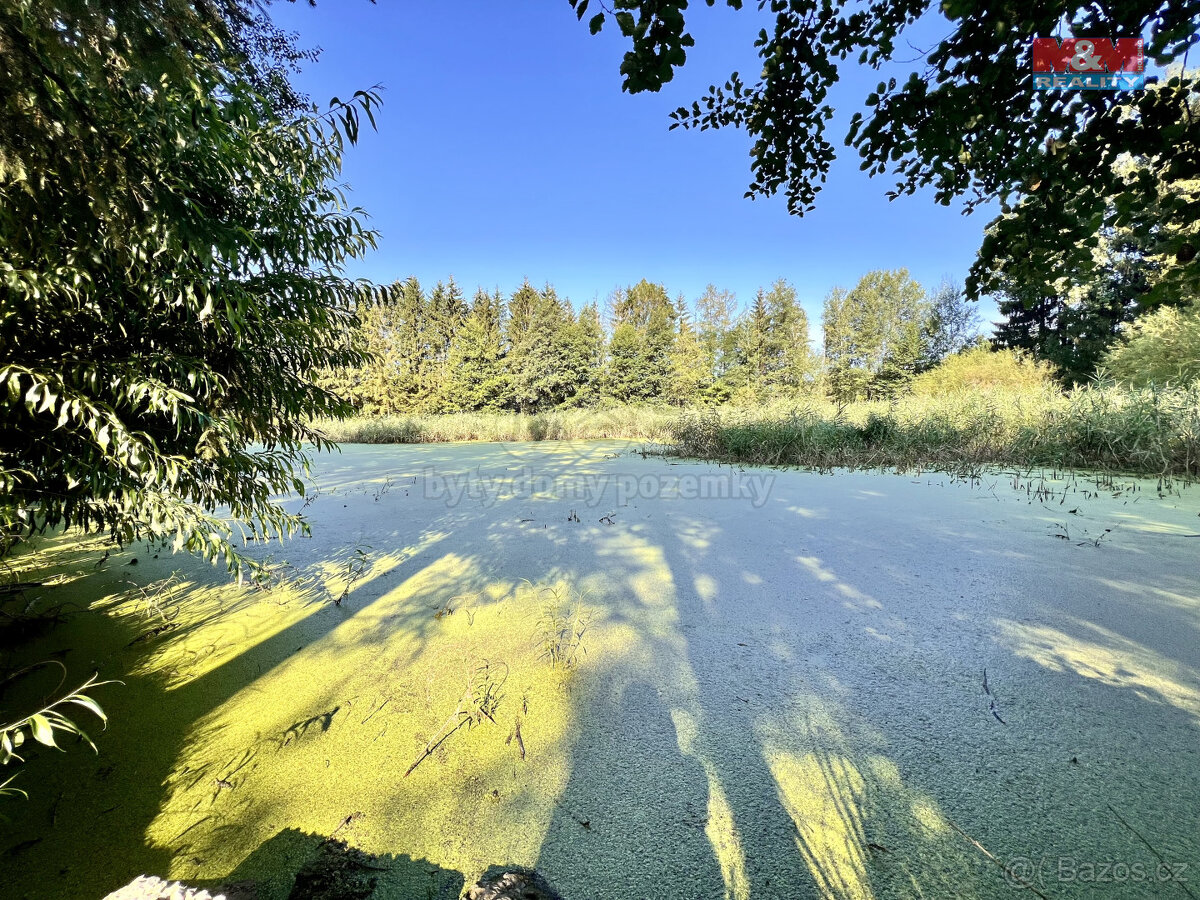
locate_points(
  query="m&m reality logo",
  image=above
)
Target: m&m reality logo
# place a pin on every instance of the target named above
(1088, 64)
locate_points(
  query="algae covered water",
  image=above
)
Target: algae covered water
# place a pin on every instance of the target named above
(645, 678)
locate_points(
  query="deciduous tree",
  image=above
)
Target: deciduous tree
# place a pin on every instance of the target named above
(172, 248)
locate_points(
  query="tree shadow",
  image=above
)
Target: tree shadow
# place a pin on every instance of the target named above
(790, 709)
(302, 866)
(631, 821)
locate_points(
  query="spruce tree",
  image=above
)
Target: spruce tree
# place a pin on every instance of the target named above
(790, 364)
(408, 380)
(474, 376)
(587, 351)
(751, 335)
(716, 311)
(522, 311)
(550, 367)
(639, 355)
(690, 372)
(445, 314)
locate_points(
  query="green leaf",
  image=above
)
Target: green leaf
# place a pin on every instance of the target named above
(43, 733)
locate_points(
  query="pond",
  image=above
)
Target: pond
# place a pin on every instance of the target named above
(645, 677)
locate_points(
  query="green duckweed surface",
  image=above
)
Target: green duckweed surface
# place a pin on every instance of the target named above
(775, 689)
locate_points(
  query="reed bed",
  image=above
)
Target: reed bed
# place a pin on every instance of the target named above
(1107, 428)
(1096, 428)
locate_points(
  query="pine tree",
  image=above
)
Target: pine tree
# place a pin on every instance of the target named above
(639, 354)
(690, 370)
(715, 314)
(474, 374)
(790, 364)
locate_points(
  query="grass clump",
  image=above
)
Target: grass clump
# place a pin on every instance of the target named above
(1147, 431)
(982, 368)
(561, 625)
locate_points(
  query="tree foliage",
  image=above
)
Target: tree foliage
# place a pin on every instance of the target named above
(953, 323)
(982, 368)
(967, 123)
(173, 241)
(874, 335)
(1160, 348)
(532, 351)
(643, 332)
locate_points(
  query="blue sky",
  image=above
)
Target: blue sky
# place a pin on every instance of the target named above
(506, 150)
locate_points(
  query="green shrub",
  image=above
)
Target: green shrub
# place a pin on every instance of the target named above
(1161, 347)
(981, 368)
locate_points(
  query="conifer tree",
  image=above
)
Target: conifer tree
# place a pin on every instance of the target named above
(588, 356)
(639, 354)
(715, 314)
(408, 379)
(690, 371)
(790, 363)
(374, 389)
(522, 311)
(446, 311)
(474, 373)
(548, 368)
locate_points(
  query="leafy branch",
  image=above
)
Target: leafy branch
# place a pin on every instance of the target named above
(44, 726)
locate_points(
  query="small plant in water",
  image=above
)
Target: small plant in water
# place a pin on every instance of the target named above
(479, 701)
(382, 489)
(310, 497)
(356, 565)
(154, 598)
(561, 626)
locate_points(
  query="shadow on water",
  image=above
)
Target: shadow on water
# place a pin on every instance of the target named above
(763, 712)
(635, 808)
(310, 867)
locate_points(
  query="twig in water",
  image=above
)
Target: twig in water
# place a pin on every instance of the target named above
(516, 732)
(440, 736)
(345, 823)
(477, 703)
(996, 711)
(1008, 872)
(377, 709)
(1149, 847)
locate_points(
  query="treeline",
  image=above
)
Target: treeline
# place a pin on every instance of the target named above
(433, 351)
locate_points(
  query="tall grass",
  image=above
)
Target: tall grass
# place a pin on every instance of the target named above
(1097, 427)
(1100, 427)
(635, 422)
